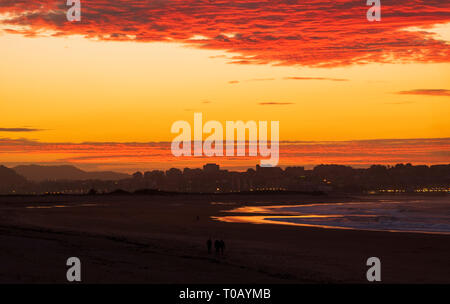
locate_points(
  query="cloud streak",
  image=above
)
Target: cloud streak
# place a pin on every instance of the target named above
(19, 130)
(275, 103)
(313, 33)
(315, 78)
(429, 92)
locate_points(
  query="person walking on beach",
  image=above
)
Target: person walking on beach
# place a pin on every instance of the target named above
(209, 245)
(222, 246)
(217, 246)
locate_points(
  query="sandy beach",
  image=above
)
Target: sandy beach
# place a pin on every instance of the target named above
(162, 239)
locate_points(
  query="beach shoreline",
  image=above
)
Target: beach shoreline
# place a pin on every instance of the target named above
(162, 239)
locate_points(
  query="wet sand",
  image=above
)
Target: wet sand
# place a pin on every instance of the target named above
(158, 239)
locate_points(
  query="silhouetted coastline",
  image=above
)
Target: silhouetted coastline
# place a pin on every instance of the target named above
(322, 179)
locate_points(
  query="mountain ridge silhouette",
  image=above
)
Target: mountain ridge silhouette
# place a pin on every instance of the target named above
(40, 173)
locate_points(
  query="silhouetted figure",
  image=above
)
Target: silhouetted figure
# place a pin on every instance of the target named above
(209, 245)
(217, 246)
(222, 246)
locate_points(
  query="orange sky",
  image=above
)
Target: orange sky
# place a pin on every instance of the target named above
(89, 82)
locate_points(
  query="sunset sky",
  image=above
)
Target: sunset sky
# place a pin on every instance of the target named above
(103, 93)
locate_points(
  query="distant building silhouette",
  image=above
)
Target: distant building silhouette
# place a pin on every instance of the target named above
(211, 168)
(211, 179)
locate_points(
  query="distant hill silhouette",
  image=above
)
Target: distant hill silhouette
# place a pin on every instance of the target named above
(9, 179)
(66, 172)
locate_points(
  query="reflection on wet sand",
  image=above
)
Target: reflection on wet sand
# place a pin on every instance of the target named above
(273, 212)
(392, 216)
(270, 220)
(61, 206)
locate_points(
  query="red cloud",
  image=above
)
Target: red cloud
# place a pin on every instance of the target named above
(283, 32)
(158, 154)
